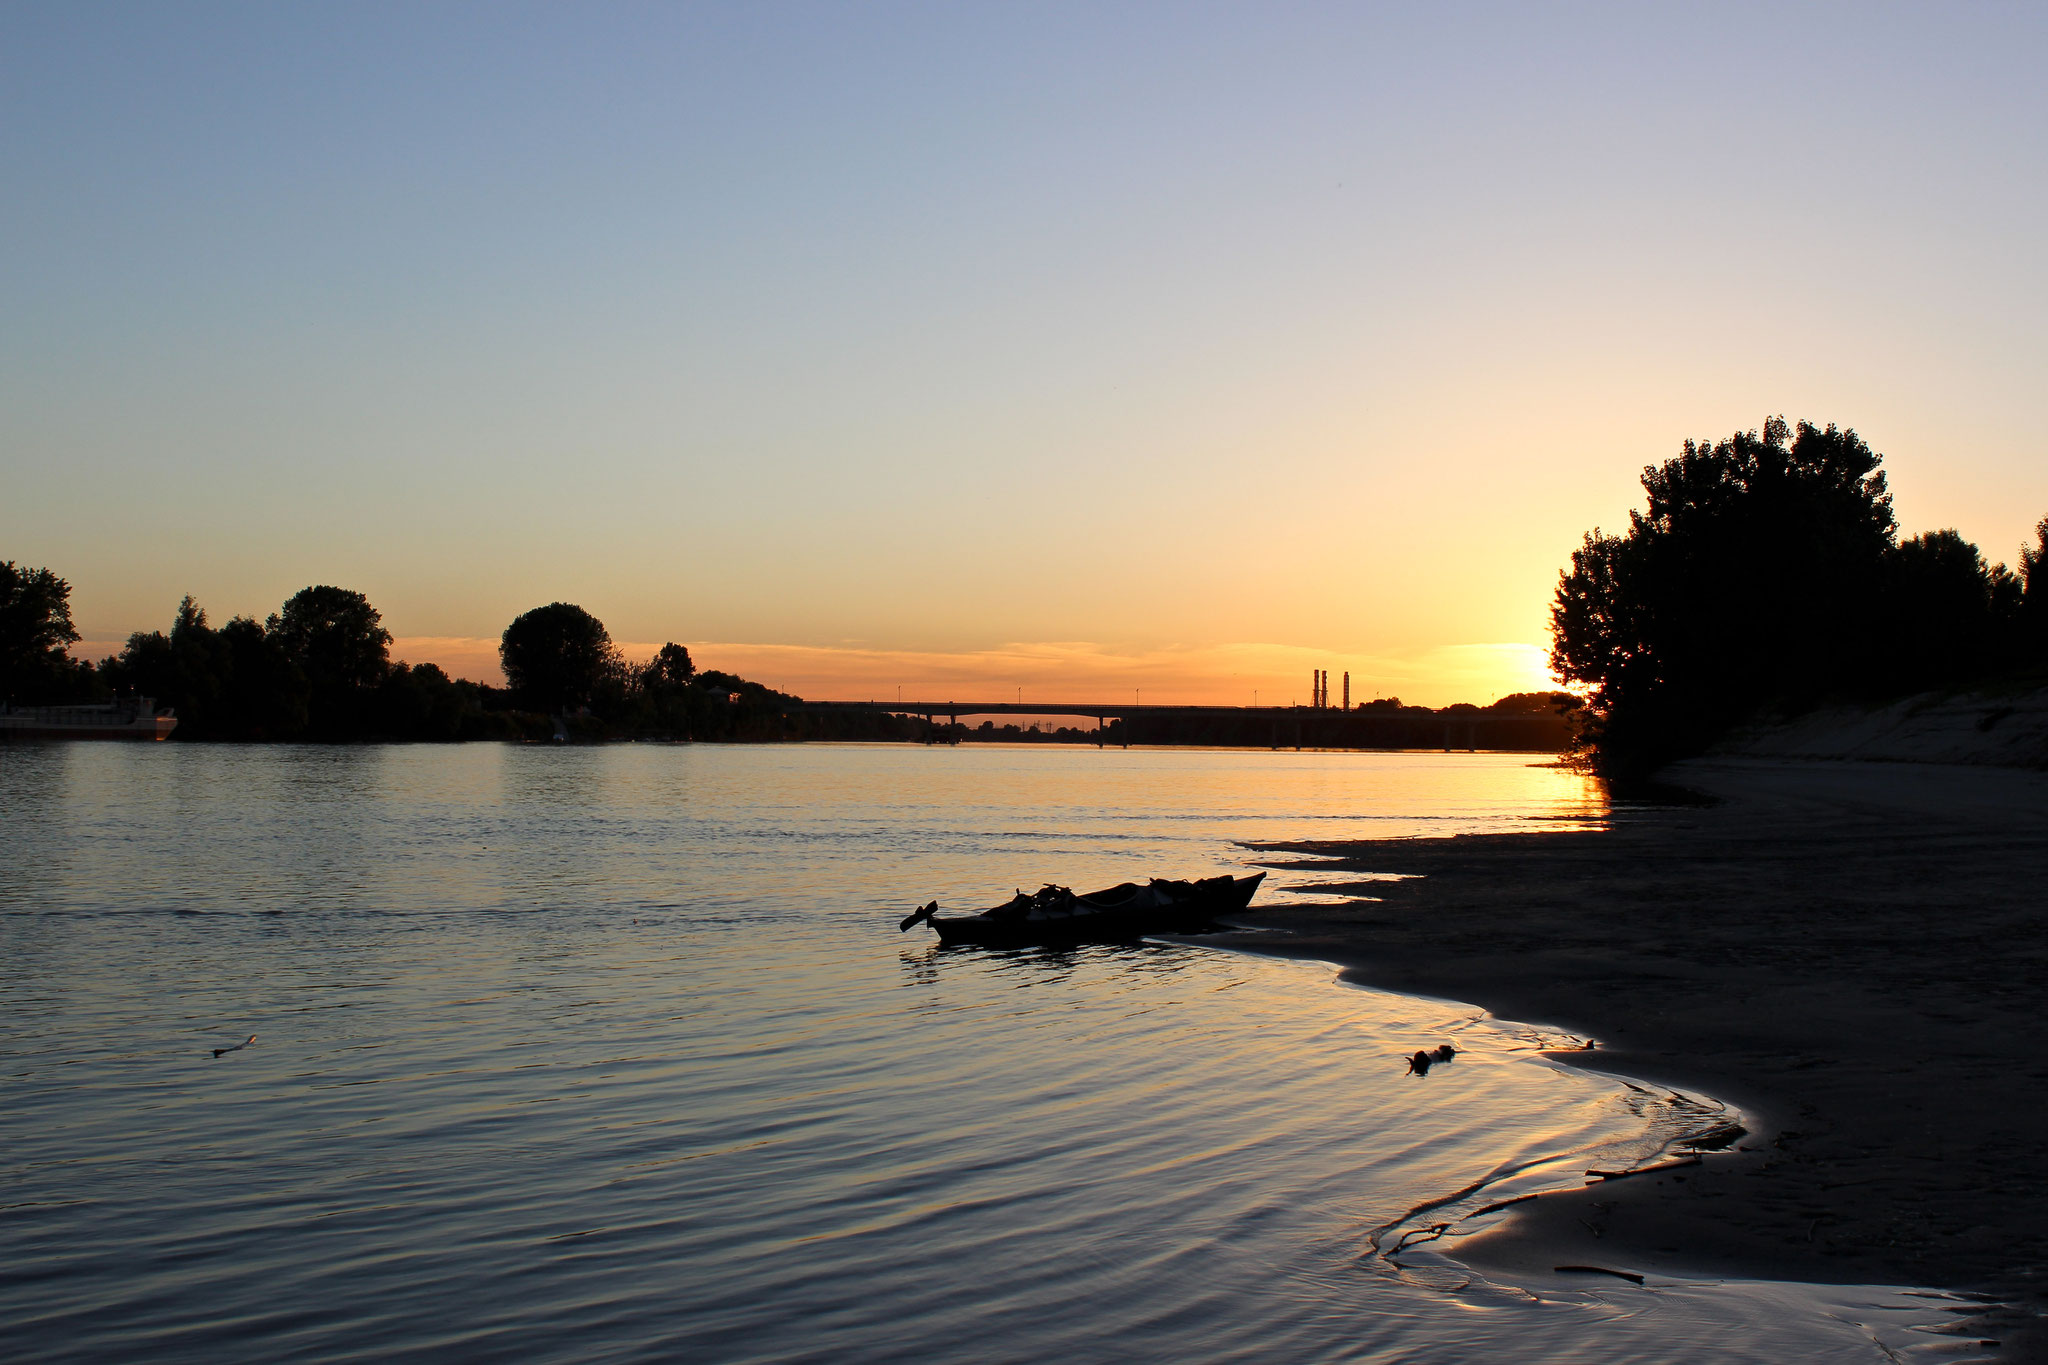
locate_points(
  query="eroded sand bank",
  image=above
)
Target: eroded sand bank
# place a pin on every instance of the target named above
(1854, 953)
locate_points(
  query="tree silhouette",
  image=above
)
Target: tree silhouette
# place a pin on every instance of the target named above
(557, 657)
(669, 669)
(35, 627)
(338, 641)
(1948, 610)
(1754, 574)
(335, 635)
(2033, 607)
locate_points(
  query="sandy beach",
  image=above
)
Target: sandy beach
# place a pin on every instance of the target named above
(1852, 952)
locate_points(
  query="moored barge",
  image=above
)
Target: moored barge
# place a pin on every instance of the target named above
(133, 718)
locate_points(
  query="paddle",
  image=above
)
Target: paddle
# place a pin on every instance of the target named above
(923, 912)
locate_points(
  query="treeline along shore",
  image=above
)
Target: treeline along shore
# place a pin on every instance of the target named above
(320, 669)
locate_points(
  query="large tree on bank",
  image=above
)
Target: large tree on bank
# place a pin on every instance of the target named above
(335, 635)
(557, 657)
(1755, 575)
(337, 640)
(35, 628)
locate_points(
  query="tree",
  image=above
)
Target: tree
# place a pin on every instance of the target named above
(422, 702)
(181, 670)
(263, 694)
(1534, 703)
(557, 657)
(662, 701)
(669, 669)
(2033, 605)
(337, 640)
(335, 635)
(232, 683)
(1947, 613)
(35, 628)
(1753, 576)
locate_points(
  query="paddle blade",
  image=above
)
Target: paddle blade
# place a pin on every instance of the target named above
(923, 912)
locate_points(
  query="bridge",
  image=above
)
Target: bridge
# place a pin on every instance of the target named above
(1317, 726)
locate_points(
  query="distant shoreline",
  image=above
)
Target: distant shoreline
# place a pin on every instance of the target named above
(1850, 952)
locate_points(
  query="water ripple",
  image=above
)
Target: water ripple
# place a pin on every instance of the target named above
(615, 1054)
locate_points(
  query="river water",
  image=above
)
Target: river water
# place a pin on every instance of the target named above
(616, 1054)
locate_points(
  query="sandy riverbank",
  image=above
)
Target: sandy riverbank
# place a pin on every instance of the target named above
(1854, 953)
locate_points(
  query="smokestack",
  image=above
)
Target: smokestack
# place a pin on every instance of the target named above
(1347, 689)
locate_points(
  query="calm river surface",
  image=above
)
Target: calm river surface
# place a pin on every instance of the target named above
(616, 1053)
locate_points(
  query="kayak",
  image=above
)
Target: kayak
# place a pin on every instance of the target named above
(1129, 910)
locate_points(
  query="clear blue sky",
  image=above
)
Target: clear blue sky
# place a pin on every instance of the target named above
(1142, 339)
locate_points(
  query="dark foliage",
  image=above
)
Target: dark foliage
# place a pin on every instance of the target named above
(234, 683)
(1536, 703)
(1951, 613)
(669, 668)
(35, 627)
(666, 703)
(2031, 626)
(337, 641)
(318, 670)
(559, 658)
(1764, 575)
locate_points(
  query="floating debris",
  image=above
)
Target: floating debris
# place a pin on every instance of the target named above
(223, 1051)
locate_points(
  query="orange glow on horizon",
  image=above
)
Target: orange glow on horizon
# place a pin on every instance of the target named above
(1218, 675)
(1226, 675)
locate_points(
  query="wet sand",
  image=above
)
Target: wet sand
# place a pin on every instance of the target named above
(1856, 954)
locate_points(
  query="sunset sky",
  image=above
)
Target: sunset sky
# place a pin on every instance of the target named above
(971, 348)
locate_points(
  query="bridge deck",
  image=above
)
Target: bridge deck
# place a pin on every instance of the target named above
(1099, 710)
(1094, 709)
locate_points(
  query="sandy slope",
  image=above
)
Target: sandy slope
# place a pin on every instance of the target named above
(2005, 729)
(1855, 953)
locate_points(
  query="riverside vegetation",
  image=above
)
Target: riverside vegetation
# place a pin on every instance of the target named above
(1765, 578)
